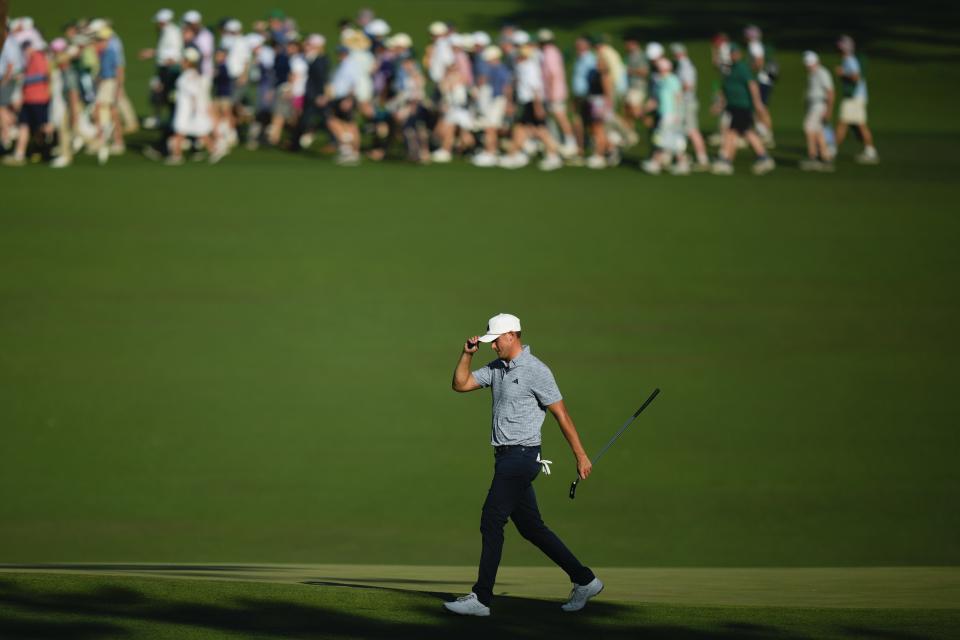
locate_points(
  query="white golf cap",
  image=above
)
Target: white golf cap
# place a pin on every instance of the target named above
(315, 40)
(500, 324)
(233, 26)
(521, 38)
(96, 24)
(492, 53)
(438, 28)
(192, 17)
(254, 40)
(467, 41)
(164, 15)
(755, 48)
(654, 50)
(810, 58)
(456, 40)
(678, 49)
(482, 38)
(378, 28)
(191, 54)
(545, 35)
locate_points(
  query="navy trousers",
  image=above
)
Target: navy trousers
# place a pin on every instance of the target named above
(511, 496)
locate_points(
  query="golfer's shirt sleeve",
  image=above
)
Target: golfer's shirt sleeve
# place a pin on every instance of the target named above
(544, 387)
(483, 376)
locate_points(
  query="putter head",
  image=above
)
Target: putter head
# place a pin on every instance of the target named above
(573, 488)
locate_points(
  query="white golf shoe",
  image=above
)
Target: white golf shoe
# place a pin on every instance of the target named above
(468, 605)
(580, 594)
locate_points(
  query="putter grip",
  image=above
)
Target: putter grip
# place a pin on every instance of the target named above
(573, 488)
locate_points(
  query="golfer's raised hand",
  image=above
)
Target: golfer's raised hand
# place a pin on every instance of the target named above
(471, 345)
(584, 466)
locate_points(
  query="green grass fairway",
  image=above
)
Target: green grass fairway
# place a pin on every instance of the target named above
(75, 606)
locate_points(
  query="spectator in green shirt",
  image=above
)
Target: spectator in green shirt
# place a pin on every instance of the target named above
(741, 96)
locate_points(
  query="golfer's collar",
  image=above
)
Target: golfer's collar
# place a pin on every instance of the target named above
(512, 364)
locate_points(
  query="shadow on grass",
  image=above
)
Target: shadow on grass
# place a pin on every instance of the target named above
(397, 614)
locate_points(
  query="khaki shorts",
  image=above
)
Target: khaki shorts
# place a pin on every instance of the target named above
(853, 111)
(813, 122)
(107, 92)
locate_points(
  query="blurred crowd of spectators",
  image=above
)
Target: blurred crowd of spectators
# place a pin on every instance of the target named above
(499, 100)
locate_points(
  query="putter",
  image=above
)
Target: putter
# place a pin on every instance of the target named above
(573, 487)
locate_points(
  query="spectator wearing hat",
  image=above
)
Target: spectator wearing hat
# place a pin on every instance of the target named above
(766, 71)
(439, 55)
(494, 94)
(853, 106)
(34, 118)
(106, 98)
(668, 138)
(167, 54)
(237, 65)
(203, 40)
(342, 117)
(742, 99)
(687, 74)
(193, 115)
(315, 98)
(555, 89)
(819, 107)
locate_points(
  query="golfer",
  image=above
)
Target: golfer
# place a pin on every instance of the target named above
(523, 390)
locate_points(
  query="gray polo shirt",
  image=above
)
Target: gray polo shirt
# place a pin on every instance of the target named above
(522, 388)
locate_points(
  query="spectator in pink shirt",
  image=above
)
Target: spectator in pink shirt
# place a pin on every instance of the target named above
(555, 90)
(34, 112)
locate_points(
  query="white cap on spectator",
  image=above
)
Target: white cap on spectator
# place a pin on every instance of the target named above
(402, 40)
(492, 52)
(438, 29)
(255, 40)
(755, 47)
(378, 28)
(654, 50)
(482, 38)
(456, 39)
(678, 49)
(467, 41)
(810, 58)
(545, 35)
(233, 26)
(96, 24)
(26, 22)
(164, 15)
(315, 40)
(191, 54)
(192, 17)
(521, 38)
